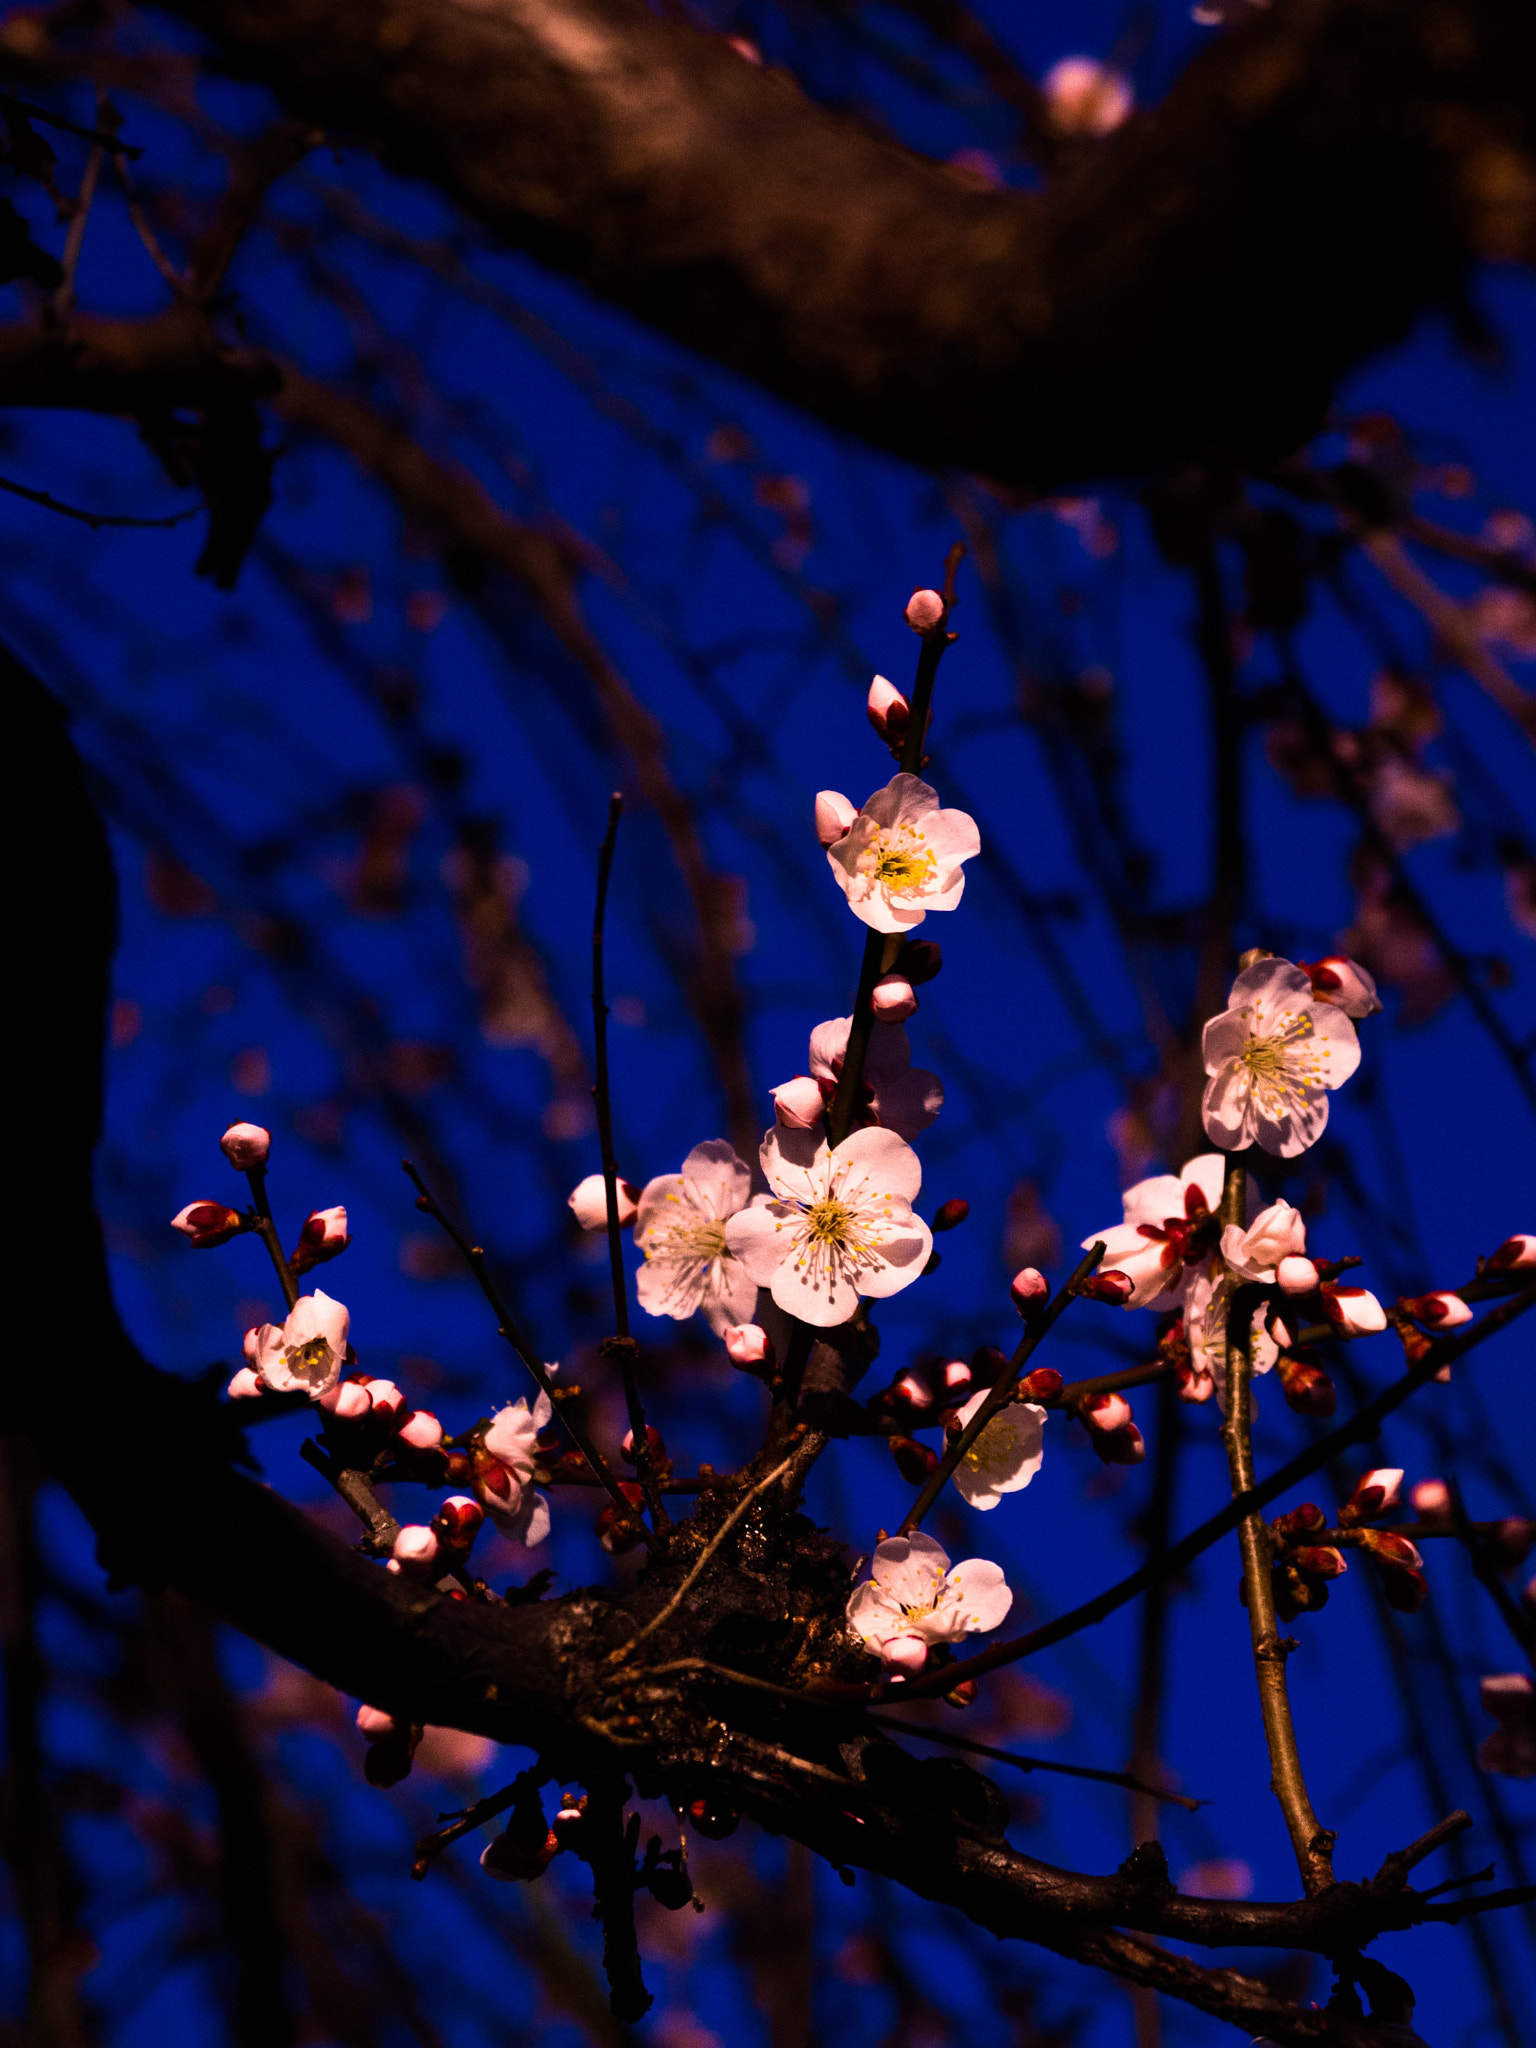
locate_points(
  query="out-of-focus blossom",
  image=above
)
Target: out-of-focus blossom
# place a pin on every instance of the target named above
(798, 1104)
(504, 1473)
(748, 1347)
(1390, 935)
(888, 711)
(1353, 1311)
(1221, 1877)
(896, 1095)
(1376, 1493)
(680, 1226)
(1168, 1220)
(246, 1147)
(1345, 983)
(206, 1224)
(1505, 618)
(588, 1202)
(1431, 1499)
(1207, 1303)
(323, 1237)
(1409, 804)
(1272, 1056)
(951, 1214)
(838, 1225)
(1007, 1454)
(1511, 1749)
(1031, 1234)
(913, 1593)
(925, 610)
(893, 999)
(903, 856)
(1085, 97)
(834, 817)
(306, 1353)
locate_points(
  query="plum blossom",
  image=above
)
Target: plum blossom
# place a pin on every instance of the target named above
(1272, 1055)
(504, 1471)
(1353, 1311)
(1278, 1232)
(247, 1147)
(1007, 1454)
(1511, 1748)
(902, 856)
(903, 1098)
(1170, 1220)
(912, 1598)
(305, 1354)
(1515, 1255)
(834, 817)
(680, 1225)
(588, 1202)
(925, 610)
(206, 1224)
(1207, 1300)
(838, 1225)
(1344, 983)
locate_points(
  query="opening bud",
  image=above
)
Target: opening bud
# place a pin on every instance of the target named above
(388, 1401)
(1114, 1287)
(415, 1549)
(206, 1224)
(888, 711)
(458, 1521)
(420, 1429)
(834, 815)
(1344, 983)
(1353, 1311)
(245, 1386)
(1125, 1446)
(893, 999)
(925, 610)
(1028, 1287)
(1296, 1275)
(1194, 1387)
(749, 1348)
(246, 1147)
(903, 1656)
(797, 1104)
(1514, 1255)
(920, 960)
(324, 1236)
(1106, 1411)
(951, 1214)
(1374, 1494)
(653, 1443)
(588, 1202)
(910, 1391)
(914, 1461)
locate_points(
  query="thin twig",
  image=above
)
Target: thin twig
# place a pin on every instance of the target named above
(65, 293)
(1482, 1563)
(603, 1099)
(507, 1328)
(1003, 1392)
(1126, 1779)
(94, 520)
(430, 1847)
(266, 1230)
(1393, 1874)
(110, 143)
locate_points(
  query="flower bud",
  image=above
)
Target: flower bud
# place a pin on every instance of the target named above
(1390, 1548)
(347, 1401)
(749, 1348)
(1084, 97)
(1375, 1494)
(963, 1694)
(1514, 1255)
(914, 1461)
(1302, 1520)
(955, 1378)
(1441, 1310)
(388, 1401)
(1404, 1590)
(797, 1104)
(1353, 1311)
(458, 1522)
(925, 610)
(246, 1147)
(1431, 1500)
(1125, 1446)
(653, 1443)
(904, 1656)
(246, 1385)
(920, 960)
(951, 1214)
(386, 1763)
(324, 1236)
(588, 1202)
(834, 816)
(618, 1534)
(1296, 1275)
(1028, 1288)
(888, 710)
(893, 999)
(1043, 1384)
(415, 1549)
(419, 1428)
(206, 1224)
(1307, 1388)
(1320, 1561)
(1344, 983)
(910, 1391)
(374, 1725)
(1106, 1411)
(1194, 1387)
(1114, 1287)
(1510, 1540)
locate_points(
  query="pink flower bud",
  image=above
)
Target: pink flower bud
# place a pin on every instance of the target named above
(903, 1655)
(420, 1429)
(834, 815)
(246, 1385)
(1028, 1287)
(797, 1104)
(324, 1236)
(1106, 1411)
(749, 1348)
(1296, 1275)
(415, 1549)
(1514, 1255)
(925, 610)
(246, 1147)
(374, 1725)
(388, 1401)
(653, 1443)
(1114, 1287)
(1441, 1310)
(1431, 1500)
(908, 1391)
(1085, 97)
(1353, 1311)
(206, 1224)
(1119, 1446)
(589, 1203)
(956, 1377)
(1375, 1493)
(894, 999)
(1344, 983)
(347, 1401)
(888, 710)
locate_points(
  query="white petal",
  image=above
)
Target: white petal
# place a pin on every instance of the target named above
(1207, 1172)
(882, 1158)
(1227, 1107)
(718, 1181)
(670, 1287)
(795, 1164)
(909, 1568)
(1005, 1457)
(1154, 1200)
(873, 1615)
(759, 1238)
(975, 1597)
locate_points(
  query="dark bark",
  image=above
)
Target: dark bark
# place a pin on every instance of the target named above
(1192, 290)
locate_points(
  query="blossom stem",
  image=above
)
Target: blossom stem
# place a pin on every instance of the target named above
(266, 1230)
(1128, 1780)
(1312, 1842)
(473, 1256)
(602, 1096)
(1003, 1392)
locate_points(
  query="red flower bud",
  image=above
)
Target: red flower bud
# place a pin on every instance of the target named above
(653, 1443)
(914, 1461)
(951, 1214)
(1390, 1549)
(1375, 1492)
(1043, 1384)
(1320, 1561)
(1307, 1388)
(1113, 1287)
(1406, 1590)
(206, 1224)
(1124, 1446)
(1300, 1521)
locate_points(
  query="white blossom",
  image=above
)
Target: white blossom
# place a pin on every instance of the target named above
(1278, 1232)
(913, 1592)
(1007, 1454)
(506, 1487)
(902, 856)
(838, 1225)
(1207, 1302)
(305, 1354)
(1272, 1056)
(900, 1097)
(1170, 1219)
(680, 1226)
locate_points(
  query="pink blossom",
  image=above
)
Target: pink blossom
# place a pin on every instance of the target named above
(1272, 1056)
(305, 1354)
(903, 856)
(246, 1147)
(900, 1097)
(893, 999)
(925, 610)
(206, 1224)
(912, 1591)
(834, 816)
(506, 1487)
(798, 1104)
(681, 1227)
(588, 1202)
(1169, 1222)
(415, 1549)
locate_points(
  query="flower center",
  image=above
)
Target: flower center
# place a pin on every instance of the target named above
(830, 1222)
(704, 1240)
(306, 1360)
(901, 861)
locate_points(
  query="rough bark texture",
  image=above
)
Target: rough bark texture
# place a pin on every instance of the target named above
(1192, 290)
